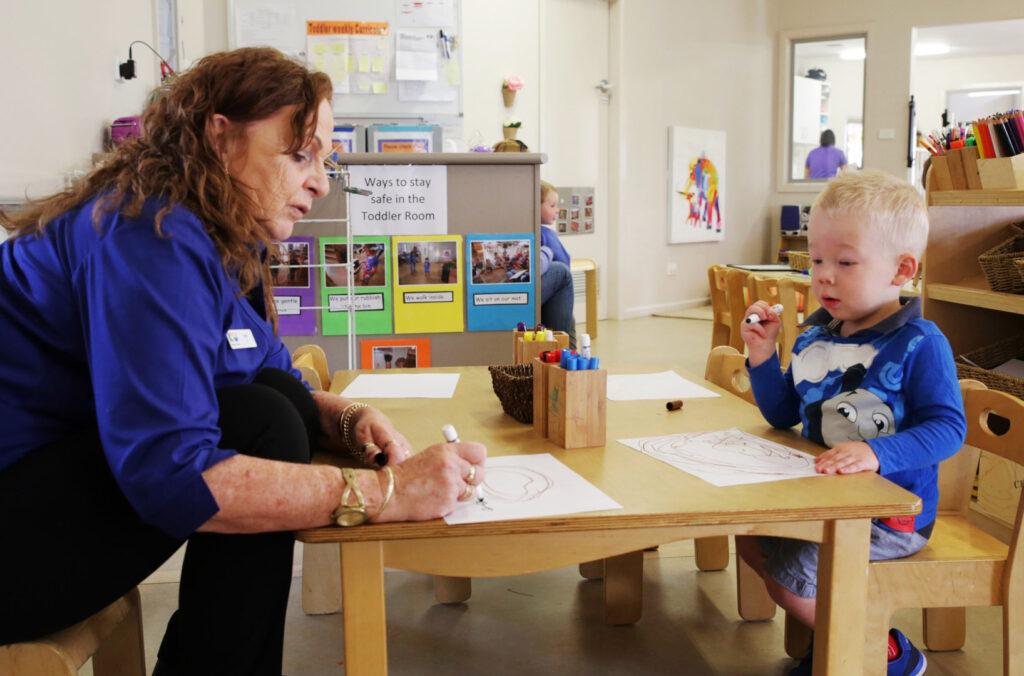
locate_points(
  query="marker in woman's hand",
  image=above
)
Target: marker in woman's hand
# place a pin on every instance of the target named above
(451, 436)
(756, 319)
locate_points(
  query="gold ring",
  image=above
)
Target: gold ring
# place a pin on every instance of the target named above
(366, 446)
(468, 493)
(472, 474)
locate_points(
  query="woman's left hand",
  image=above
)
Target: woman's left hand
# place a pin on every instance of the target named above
(373, 433)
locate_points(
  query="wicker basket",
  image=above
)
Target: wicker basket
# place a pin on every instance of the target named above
(998, 263)
(1019, 264)
(799, 260)
(514, 386)
(977, 363)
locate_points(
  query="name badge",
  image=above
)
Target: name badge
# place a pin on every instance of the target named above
(241, 339)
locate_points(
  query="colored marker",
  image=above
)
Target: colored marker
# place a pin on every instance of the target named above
(674, 405)
(756, 319)
(585, 345)
(452, 437)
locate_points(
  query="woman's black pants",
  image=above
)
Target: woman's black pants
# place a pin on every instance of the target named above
(71, 543)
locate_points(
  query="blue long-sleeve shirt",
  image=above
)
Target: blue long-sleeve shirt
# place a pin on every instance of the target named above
(126, 332)
(551, 249)
(893, 386)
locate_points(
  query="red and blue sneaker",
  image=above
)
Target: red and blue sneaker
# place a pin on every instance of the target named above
(904, 658)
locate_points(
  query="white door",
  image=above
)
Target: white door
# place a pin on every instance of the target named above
(574, 119)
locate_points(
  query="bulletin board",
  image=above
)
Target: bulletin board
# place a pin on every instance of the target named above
(283, 24)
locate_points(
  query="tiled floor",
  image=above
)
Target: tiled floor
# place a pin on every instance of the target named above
(551, 622)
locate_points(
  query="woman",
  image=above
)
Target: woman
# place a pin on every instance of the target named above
(826, 160)
(146, 397)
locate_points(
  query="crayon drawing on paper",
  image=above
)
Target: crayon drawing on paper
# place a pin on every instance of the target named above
(696, 185)
(727, 457)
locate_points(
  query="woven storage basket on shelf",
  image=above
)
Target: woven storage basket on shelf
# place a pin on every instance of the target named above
(1019, 264)
(799, 260)
(514, 386)
(977, 364)
(998, 263)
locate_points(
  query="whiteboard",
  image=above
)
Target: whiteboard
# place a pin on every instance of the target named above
(282, 24)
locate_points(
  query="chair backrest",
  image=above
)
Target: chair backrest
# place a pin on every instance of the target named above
(979, 404)
(718, 286)
(316, 354)
(956, 473)
(727, 368)
(736, 282)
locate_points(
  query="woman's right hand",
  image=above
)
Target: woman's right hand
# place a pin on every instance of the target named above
(760, 337)
(429, 484)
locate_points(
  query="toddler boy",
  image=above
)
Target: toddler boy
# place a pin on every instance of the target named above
(870, 378)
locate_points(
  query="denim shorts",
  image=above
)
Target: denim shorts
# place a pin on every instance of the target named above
(794, 563)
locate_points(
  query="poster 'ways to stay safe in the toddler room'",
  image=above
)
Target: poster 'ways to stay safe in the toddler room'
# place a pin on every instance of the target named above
(501, 284)
(371, 285)
(428, 290)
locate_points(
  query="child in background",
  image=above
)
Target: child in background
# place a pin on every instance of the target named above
(870, 379)
(556, 295)
(372, 256)
(426, 267)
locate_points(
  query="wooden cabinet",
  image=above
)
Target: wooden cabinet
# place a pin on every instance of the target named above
(964, 224)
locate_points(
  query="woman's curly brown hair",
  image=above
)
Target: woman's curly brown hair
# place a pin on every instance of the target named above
(176, 160)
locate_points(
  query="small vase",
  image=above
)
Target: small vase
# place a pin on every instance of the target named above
(510, 97)
(510, 132)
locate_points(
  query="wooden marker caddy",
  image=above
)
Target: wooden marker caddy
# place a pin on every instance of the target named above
(569, 407)
(524, 351)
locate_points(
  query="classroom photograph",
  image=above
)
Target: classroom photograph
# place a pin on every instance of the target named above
(575, 337)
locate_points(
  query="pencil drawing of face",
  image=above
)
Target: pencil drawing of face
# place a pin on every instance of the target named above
(515, 484)
(728, 450)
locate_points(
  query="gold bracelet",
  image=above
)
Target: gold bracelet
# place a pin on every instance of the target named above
(387, 493)
(344, 423)
(350, 514)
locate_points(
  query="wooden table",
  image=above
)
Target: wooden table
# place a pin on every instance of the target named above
(660, 505)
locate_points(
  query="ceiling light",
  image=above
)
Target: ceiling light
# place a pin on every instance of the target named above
(855, 54)
(930, 48)
(993, 92)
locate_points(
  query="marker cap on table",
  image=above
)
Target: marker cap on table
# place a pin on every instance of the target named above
(756, 319)
(674, 405)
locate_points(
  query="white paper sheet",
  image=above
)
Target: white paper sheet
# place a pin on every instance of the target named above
(664, 385)
(416, 55)
(402, 386)
(727, 457)
(528, 487)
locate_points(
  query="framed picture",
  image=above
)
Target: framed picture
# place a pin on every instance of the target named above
(395, 353)
(696, 185)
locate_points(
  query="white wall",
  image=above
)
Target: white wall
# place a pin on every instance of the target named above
(693, 64)
(934, 77)
(57, 66)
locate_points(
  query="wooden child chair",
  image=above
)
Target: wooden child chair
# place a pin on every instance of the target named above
(112, 638)
(728, 302)
(961, 565)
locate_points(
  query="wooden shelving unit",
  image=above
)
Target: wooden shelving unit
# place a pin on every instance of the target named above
(964, 224)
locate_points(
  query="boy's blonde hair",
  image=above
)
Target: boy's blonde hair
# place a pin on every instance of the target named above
(889, 206)
(546, 189)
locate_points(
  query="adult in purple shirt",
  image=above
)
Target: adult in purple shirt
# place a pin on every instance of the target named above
(826, 160)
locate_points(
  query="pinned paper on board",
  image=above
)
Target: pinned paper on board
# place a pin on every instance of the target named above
(529, 487)
(290, 274)
(501, 285)
(727, 457)
(429, 290)
(354, 53)
(371, 277)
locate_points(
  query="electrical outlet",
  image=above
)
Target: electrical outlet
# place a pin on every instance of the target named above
(671, 269)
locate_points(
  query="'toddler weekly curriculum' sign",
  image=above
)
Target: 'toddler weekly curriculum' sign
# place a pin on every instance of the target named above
(406, 200)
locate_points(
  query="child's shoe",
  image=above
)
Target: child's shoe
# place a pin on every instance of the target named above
(904, 658)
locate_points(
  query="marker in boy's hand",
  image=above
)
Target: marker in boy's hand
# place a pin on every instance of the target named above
(759, 333)
(756, 319)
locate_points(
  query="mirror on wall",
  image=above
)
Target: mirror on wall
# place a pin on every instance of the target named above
(826, 106)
